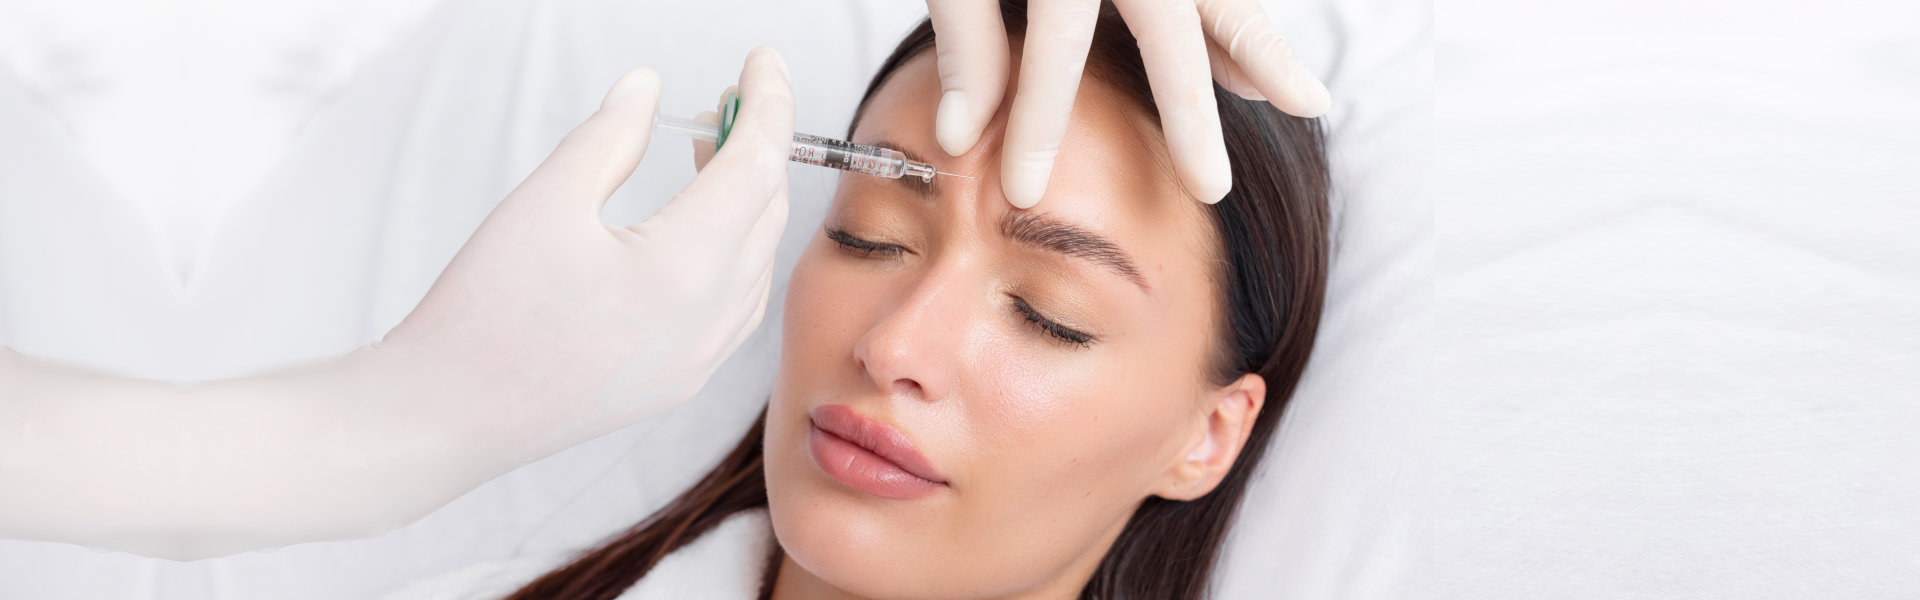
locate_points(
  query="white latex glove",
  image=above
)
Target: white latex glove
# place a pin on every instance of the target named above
(607, 325)
(547, 329)
(1186, 45)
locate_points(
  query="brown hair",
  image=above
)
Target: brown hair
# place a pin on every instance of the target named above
(1273, 231)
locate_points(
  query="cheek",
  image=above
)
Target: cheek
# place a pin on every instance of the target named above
(1095, 427)
(1055, 412)
(818, 330)
(1064, 450)
(821, 318)
(801, 326)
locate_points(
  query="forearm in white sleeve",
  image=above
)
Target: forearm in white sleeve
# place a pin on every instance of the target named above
(342, 448)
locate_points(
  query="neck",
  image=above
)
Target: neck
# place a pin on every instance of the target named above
(793, 582)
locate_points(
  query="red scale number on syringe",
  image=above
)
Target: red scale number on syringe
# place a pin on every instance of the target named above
(864, 163)
(813, 155)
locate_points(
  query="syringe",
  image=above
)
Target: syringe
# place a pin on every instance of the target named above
(809, 149)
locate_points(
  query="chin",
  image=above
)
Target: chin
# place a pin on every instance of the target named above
(849, 546)
(868, 546)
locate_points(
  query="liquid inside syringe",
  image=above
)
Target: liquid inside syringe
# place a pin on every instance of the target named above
(808, 148)
(858, 158)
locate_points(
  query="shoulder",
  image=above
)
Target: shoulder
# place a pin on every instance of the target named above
(726, 563)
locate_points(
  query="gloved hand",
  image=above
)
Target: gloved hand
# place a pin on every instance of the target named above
(547, 329)
(1234, 39)
(598, 326)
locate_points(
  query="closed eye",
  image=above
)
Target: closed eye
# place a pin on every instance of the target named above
(859, 247)
(1042, 324)
(1061, 333)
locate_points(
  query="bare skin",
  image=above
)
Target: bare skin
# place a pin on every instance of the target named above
(1046, 445)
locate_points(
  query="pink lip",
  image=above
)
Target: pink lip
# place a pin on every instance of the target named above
(869, 456)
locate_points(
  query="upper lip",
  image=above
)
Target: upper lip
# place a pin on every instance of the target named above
(876, 437)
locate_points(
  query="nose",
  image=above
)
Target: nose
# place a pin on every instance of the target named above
(913, 350)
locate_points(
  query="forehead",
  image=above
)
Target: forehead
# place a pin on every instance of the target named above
(1111, 174)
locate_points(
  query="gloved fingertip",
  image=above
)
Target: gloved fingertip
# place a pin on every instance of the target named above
(1214, 196)
(1211, 187)
(767, 53)
(1212, 177)
(763, 92)
(1310, 96)
(1024, 184)
(953, 125)
(638, 83)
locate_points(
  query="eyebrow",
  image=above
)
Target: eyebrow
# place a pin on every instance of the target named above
(1051, 234)
(1041, 231)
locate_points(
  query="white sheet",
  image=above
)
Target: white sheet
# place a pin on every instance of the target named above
(1678, 298)
(398, 164)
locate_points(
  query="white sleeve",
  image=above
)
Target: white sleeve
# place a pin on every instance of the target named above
(342, 448)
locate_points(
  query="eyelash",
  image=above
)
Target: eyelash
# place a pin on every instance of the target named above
(1060, 333)
(860, 247)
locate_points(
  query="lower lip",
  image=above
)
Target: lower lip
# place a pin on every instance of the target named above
(863, 470)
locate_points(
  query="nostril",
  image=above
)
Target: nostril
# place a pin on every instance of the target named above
(907, 387)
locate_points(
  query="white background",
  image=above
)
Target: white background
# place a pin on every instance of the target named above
(1673, 309)
(1679, 300)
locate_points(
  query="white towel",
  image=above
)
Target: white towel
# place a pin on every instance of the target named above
(725, 564)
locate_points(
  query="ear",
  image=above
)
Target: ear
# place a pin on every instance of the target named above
(1215, 439)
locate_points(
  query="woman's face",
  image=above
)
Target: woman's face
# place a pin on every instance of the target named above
(1049, 367)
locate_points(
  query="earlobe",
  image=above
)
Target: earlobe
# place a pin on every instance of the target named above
(1215, 446)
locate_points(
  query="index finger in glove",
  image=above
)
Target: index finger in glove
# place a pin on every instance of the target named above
(971, 48)
(1058, 36)
(1174, 50)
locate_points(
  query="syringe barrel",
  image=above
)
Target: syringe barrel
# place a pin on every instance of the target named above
(848, 156)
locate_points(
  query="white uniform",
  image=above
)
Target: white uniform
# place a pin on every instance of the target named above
(725, 564)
